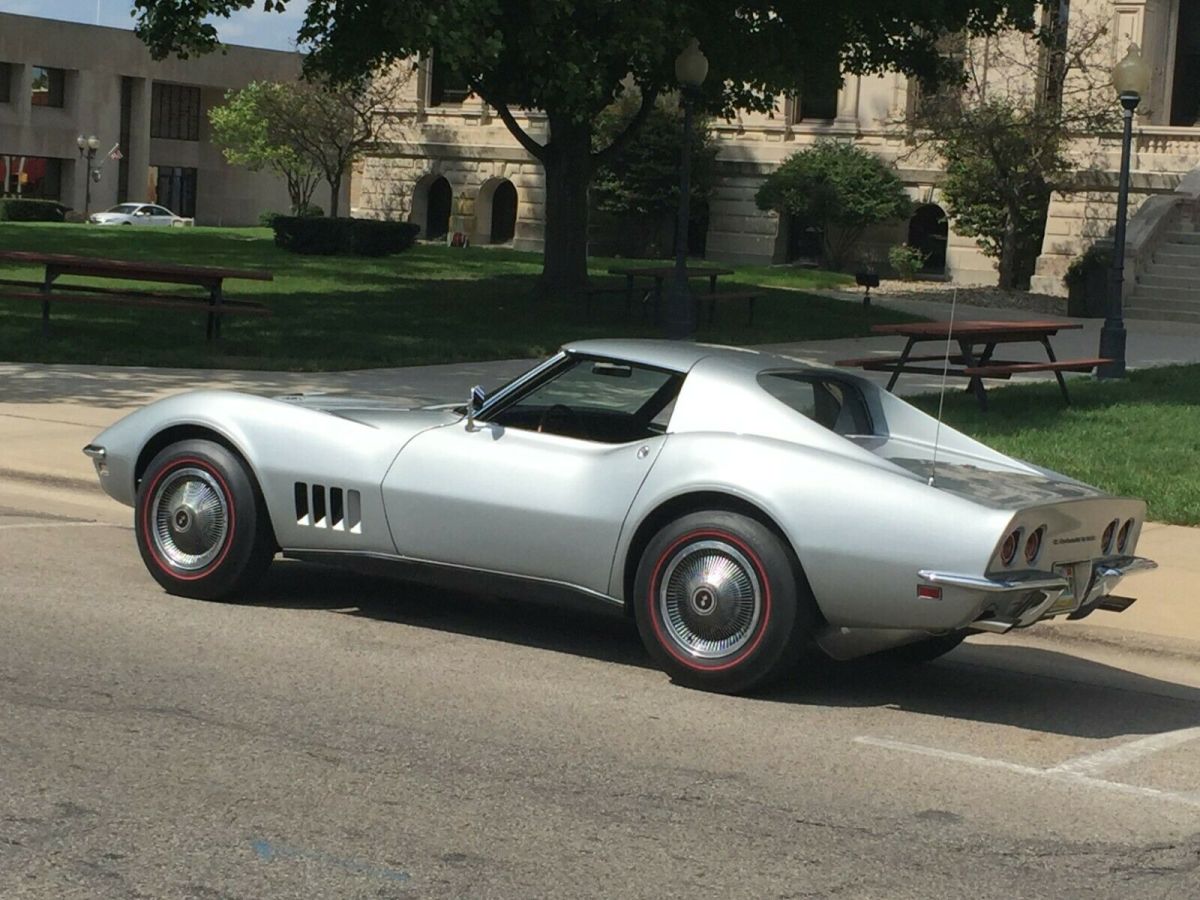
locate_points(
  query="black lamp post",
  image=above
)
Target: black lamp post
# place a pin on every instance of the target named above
(87, 148)
(691, 67)
(1131, 78)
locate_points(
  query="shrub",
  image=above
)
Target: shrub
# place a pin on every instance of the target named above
(18, 209)
(315, 236)
(837, 188)
(906, 261)
(267, 219)
(637, 192)
(376, 237)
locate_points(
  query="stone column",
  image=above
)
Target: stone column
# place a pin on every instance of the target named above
(138, 151)
(847, 104)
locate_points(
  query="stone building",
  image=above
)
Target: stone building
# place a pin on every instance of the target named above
(60, 80)
(452, 166)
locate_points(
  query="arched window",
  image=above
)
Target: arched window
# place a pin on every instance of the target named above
(928, 231)
(504, 213)
(437, 209)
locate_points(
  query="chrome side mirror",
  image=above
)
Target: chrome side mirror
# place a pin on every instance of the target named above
(475, 404)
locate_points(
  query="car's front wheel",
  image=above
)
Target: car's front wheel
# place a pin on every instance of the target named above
(202, 529)
(721, 603)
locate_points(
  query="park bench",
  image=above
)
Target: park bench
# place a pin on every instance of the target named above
(213, 304)
(972, 363)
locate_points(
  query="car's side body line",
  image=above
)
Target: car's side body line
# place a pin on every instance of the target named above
(467, 578)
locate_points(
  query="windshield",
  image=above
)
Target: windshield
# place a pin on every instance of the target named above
(127, 209)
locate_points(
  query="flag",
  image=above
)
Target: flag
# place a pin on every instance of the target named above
(115, 153)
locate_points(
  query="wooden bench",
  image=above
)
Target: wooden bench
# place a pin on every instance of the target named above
(57, 265)
(1007, 369)
(723, 296)
(143, 300)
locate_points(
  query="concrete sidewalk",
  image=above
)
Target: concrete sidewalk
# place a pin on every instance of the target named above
(48, 412)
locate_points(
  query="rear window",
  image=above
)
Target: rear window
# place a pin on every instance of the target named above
(835, 404)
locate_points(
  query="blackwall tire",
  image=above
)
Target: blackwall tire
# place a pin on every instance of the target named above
(202, 528)
(721, 603)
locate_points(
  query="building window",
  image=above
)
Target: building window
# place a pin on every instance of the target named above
(818, 97)
(37, 177)
(175, 112)
(1185, 90)
(446, 87)
(5, 82)
(175, 188)
(49, 86)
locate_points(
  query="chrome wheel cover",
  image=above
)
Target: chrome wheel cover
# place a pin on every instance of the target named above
(190, 518)
(709, 599)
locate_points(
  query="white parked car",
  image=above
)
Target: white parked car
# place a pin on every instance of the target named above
(138, 214)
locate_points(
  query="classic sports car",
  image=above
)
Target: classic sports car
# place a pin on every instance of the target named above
(744, 508)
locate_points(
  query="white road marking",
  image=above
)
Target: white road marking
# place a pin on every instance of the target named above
(1095, 763)
(19, 525)
(1065, 776)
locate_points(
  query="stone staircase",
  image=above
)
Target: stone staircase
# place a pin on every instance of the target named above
(1168, 288)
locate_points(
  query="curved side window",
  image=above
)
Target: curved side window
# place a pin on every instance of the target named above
(834, 404)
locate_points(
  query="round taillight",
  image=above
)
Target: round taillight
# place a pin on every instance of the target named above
(1033, 544)
(1008, 550)
(1123, 535)
(1106, 541)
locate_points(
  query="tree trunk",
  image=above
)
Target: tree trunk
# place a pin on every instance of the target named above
(568, 167)
(1009, 250)
(335, 190)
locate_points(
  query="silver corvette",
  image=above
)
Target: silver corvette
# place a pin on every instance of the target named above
(743, 508)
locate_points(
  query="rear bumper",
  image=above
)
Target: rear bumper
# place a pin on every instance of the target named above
(1000, 604)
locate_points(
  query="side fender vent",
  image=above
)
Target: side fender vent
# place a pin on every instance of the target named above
(335, 508)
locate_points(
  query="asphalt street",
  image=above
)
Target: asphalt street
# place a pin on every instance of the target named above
(345, 737)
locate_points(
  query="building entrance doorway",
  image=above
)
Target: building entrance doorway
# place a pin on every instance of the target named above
(437, 209)
(928, 231)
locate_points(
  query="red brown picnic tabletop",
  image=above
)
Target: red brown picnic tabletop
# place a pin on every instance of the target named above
(981, 329)
(68, 263)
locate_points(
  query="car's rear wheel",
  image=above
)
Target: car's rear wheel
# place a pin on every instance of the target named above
(721, 603)
(202, 528)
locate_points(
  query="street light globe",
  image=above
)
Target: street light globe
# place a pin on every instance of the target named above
(81, 142)
(93, 143)
(691, 66)
(1131, 76)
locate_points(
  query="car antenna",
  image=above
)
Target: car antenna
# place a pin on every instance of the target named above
(937, 435)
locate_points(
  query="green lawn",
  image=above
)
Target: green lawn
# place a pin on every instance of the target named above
(430, 304)
(1139, 437)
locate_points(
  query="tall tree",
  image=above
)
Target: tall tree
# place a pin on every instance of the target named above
(572, 58)
(1006, 136)
(240, 129)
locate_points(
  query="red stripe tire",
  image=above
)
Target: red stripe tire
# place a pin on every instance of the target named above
(201, 525)
(721, 603)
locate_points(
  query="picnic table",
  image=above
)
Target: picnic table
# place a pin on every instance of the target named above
(977, 342)
(660, 274)
(211, 278)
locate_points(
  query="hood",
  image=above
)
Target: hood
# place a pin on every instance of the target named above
(999, 488)
(374, 411)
